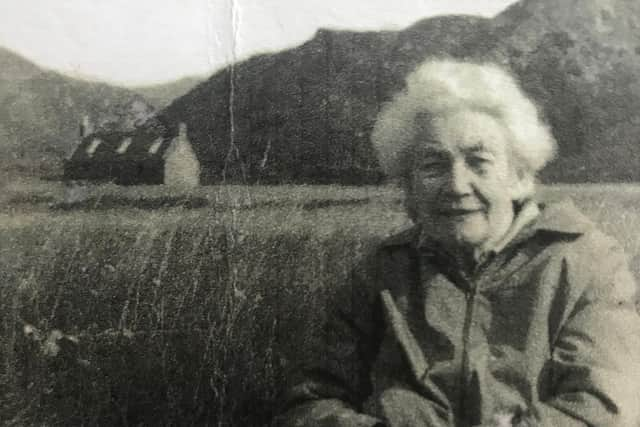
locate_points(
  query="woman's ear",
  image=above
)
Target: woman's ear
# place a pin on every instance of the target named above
(523, 185)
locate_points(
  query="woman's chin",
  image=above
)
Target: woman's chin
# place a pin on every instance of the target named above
(471, 229)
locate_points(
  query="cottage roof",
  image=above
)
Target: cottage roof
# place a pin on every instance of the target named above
(110, 146)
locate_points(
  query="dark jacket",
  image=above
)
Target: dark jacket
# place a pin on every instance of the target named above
(543, 333)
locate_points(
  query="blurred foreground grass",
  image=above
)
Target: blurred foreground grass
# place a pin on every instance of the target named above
(148, 309)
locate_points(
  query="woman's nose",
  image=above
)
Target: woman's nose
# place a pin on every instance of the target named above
(460, 177)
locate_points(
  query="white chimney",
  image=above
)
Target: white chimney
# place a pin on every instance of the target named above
(182, 131)
(86, 127)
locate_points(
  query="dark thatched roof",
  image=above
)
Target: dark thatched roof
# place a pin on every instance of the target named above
(125, 146)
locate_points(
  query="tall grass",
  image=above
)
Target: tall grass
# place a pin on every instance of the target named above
(179, 317)
(189, 316)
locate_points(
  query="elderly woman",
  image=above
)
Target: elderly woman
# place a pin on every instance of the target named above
(493, 310)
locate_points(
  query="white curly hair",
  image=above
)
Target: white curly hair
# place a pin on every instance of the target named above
(441, 87)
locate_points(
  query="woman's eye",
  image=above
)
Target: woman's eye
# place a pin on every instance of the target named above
(432, 168)
(479, 163)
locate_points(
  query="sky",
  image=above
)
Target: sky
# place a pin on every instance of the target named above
(142, 42)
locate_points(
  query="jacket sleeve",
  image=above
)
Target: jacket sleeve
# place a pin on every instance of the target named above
(330, 390)
(595, 366)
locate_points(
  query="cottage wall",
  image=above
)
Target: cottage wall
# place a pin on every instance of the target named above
(181, 167)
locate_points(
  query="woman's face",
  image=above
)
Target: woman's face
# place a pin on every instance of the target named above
(462, 184)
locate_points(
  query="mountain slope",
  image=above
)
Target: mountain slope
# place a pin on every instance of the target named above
(305, 114)
(581, 60)
(40, 112)
(161, 95)
(13, 67)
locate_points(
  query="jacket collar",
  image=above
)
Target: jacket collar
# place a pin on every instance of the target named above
(562, 217)
(526, 215)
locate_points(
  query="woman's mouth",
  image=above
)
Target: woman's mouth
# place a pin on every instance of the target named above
(458, 212)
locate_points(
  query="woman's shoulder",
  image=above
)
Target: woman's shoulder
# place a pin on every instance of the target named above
(583, 237)
(594, 261)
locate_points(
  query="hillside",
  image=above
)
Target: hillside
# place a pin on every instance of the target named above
(305, 114)
(40, 112)
(13, 67)
(161, 95)
(581, 62)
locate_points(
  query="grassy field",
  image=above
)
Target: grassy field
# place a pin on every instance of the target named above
(615, 207)
(147, 306)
